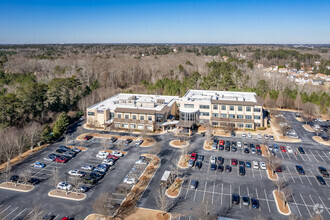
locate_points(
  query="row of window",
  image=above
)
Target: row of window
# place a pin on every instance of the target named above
(133, 126)
(216, 115)
(224, 107)
(126, 116)
(238, 125)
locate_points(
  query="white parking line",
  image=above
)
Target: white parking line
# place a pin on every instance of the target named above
(19, 213)
(204, 190)
(320, 156)
(326, 155)
(5, 209)
(187, 190)
(213, 191)
(314, 205)
(248, 193)
(221, 193)
(324, 205)
(29, 214)
(253, 173)
(308, 157)
(260, 174)
(306, 205)
(313, 155)
(239, 193)
(299, 176)
(289, 155)
(230, 196)
(10, 213)
(195, 194)
(267, 201)
(301, 157)
(281, 155)
(291, 175)
(296, 205)
(308, 177)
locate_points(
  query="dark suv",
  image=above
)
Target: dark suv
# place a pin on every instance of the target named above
(235, 199)
(324, 172)
(300, 170)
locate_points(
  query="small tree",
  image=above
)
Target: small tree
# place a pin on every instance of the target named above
(280, 102)
(25, 176)
(20, 142)
(32, 132)
(273, 163)
(76, 183)
(162, 201)
(269, 102)
(286, 195)
(55, 178)
(60, 125)
(103, 205)
(280, 184)
(298, 102)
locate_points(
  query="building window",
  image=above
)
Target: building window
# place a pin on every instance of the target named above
(257, 110)
(118, 115)
(240, 125)
(223, 115)
(216, 115)
(149, 127)
(134, 117)
(215, 107)
(133, 126)
(231, 116)
(112, 114)
(100, 111)
(140, 127)
(142, 117)
(248, 117)
(257, 117)
(231, 108)
(126, 116)
(248, 125)
(205, 114)
(215, 123)
(117, 125)
(257, 124)
(223, 107)
(178, 104)
(240, 116)
(204, 106)
(248, 108)
(125, 125)
(91, 113)
(239, 108)
(149, 118)
(189, 105)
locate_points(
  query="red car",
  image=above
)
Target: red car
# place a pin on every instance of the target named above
(279, 169)
(221, 142)
(88, 137)
(193, 156)
(234, 162)
(110, 156)
(258, 147)
(61, 160)
(282, 148)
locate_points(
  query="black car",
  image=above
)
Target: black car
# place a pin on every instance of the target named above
(241, 163)
(300, 170)
(220, 160)
(227, 143)
(14, 178)
(324, 172)
(325, 138)
(60, 150)
(301, 150)
(233, 144)
(220, 168)
(241, 170)
(246, 150)
(255, 203)
(321, 180)
(34, 181)
(199, 164)
(227, 148)
(63, 147)
(233, 133)
(246, 200)
(49, 217)
(213, 166)
(113, 139)
(251, 146)
(228, 169)
(221, 147)
(128, 141)
(235, 199)
(259, 152)
(200, 157)
(193, 184)
(233, 149)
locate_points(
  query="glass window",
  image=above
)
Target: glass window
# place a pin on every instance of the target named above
(239, 108)
(91, 113)
(215, 123)
(257, 110)
(257, 117)
(248, 117)
(140, 127)
(204, 106)
(178, 105)
(231, 116)
(223, 115)
(118, 115)
(125, 125)
(149, 127)
(223, 107)
(112, 114)
(117, 125)
(142, 117)
(189, 105)
(240, 116)
(215, 115)
(132, 126)
(257, 124)
(240, 125)
(231, 108)
(215, 107)
(134, 117)
(248, 108)
(248, 125)
(100, 111)
(150, 118)
(126, 116)
(205, 114)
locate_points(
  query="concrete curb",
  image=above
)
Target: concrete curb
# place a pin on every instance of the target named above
(289, 213)
(323, 143)
(204, 146)
(308, 128)
(64, 197)
(171, 143)
(181, 166)
(17, 190)
(269, 176)
(173, 197)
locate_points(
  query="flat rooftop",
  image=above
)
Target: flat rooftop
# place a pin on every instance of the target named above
(207, 96)
(135, 101)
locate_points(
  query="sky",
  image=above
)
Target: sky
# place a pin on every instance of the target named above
(172, 21)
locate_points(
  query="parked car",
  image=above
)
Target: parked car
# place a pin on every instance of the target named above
(233, 149)
(283, 149)
(69, 154)
(235, 199)
(49, 217)
(220, 168)
(109, 162)
(259, 152)
(64, 186)
(191, 163)
(34, 181)
(266, 136)
(199, 164)
(200, 157)
(102, 154)
(271, 137)
(273, 153)
(300, 170)
(138, 143)
(228, 169)
(39, 165)
(241, 163)
(88, 137)
(241, 170)
(50, 157)
(243, 135)
(193, 184)
(113, 157)
(227, 148)
(246, 150)
(324, 172)
(239, 144)
(83, 189)
(128, 141)
(255, 203)
(76, 150)
(255, 165)
(221, 147)
(233, 133)
(102, 167)
(220, 160)
(213, 166)
(64, 147)
(253, 151)
(76, 173)
(193, 156)
(248, 164)
(60, 151)
(141, 160)
(321, 180)
(234, 162)
(212, 159)
(249, 135)
(246, 200)
(87, 167)
(258, 147)
(117, 153)
(301, 150)
(113, 140)
(129, 180)
(61, 159)
(276, 148)
(262, 165)
(14, 178)
(270, 148)
(259, 136)
(214, 146)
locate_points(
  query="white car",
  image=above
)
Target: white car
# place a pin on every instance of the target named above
(262, 165)
(259, 136)
(249, 135)
(87, 167)
(266, 136)
(270, 148)
(108, 162)
(253, 151)
(289, 149)
(142, 161)
(102, 155)
(64, 186)
(212, 159)
(117, 154)
(76, 173)
(243, 135)
(255, 165)
(239, 144)
(129, 180)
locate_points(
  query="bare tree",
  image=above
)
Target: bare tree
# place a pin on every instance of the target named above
(286, 195)
(7, 146)
(316, 216)
(104, 205)
(298, 102)
(162, 201)
(32, 132)
(269, 102)
(204, 211)
(36, 213)
(6, 173)
(280, 184)
(273, 163)
(55, 178)
(228, 127)
(284, 129)
(76, 183)
(25, 176)
(20, 142)
(280, 102)
(309, 111)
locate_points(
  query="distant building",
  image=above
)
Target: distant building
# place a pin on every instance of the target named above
(317, 82)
